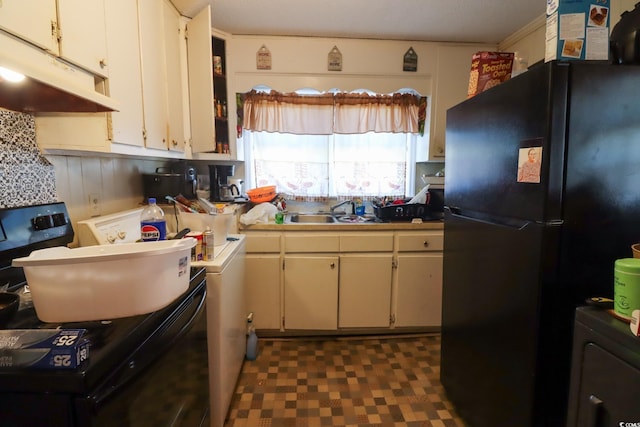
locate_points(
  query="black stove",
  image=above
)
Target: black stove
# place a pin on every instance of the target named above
(120, 350)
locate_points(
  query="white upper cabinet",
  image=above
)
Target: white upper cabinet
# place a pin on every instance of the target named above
(35, 24)
(70, 29)
(174, 37)
(125, 82)
(201, 82)
(154, 74)
(452, 82)
(82, 34)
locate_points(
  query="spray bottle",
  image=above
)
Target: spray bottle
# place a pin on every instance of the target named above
(252, 339)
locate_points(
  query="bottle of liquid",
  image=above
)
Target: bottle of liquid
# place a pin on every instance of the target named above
(252, 339)
(208, 243)
(153, 226)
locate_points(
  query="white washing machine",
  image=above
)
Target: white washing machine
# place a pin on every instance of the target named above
(226, 306)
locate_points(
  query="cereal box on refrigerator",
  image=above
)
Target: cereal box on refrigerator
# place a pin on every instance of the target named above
(489, 69)
(577, 30)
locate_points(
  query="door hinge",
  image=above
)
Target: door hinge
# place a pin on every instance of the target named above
(392, 319)
(394, 263)
(56, 33)
(283, 264)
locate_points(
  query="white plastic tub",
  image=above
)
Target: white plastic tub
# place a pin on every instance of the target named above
(106, 282)
(219, 224)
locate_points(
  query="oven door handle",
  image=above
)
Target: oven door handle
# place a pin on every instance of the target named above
(151, 349)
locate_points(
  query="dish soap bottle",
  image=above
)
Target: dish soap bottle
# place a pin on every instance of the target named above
(252, 339)
(153, 226)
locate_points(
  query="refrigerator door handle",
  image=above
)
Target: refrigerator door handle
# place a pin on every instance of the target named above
(481, 217)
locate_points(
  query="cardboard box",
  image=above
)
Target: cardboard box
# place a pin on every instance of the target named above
(489, 69)
(43, 348)
(577, 30)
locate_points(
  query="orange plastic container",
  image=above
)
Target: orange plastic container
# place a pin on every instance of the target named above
(262, 194)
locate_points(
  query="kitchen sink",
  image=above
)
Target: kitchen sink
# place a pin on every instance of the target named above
(311, 218)
(354, 219)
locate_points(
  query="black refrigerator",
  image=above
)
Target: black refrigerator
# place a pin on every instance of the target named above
(542, 195)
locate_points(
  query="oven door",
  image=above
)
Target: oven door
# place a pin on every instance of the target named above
(165, 382)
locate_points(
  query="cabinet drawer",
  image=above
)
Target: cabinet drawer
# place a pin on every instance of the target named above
(366, 242)
(414, 242)
(263, 242)
(311, 242)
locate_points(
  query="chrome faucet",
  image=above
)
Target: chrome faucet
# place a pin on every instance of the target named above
(344, 202)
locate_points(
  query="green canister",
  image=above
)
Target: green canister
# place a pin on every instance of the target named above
(626, 286)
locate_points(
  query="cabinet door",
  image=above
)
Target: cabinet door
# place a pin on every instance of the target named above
(82, 34)
(125, 84)
(199, 53)
(174, 37)
(311, 292)
(365, 290)
(33, 21)
(262, 278)
(454, 64)
(419, 290)
(609, 388)
(154, 74)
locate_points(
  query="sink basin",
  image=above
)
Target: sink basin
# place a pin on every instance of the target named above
(311, 218)
(356, 218)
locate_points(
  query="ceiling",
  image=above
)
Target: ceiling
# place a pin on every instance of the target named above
(480, 21)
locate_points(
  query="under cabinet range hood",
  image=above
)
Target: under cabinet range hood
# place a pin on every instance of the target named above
(50, 85)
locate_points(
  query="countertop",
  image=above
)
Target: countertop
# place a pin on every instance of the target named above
(341, 226)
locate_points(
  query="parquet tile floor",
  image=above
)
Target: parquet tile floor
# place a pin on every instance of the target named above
(343, 381)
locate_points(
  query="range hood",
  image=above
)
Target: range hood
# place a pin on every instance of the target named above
(51, 85)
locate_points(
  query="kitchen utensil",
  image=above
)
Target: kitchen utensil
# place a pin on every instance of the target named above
(239, 183)
(262, 194)
(182, 233)
(182, 205)
(635, 249)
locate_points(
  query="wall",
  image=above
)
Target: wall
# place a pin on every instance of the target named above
(377, 65)
(26, 177)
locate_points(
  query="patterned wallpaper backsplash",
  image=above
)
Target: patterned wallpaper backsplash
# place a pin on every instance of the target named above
(26, 177)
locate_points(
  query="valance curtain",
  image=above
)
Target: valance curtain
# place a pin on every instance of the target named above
(329, 113)
(288, 113)
(360, 113)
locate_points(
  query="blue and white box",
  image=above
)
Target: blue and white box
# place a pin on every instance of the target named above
(43, 348)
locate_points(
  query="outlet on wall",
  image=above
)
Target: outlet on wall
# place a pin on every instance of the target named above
(95, 200)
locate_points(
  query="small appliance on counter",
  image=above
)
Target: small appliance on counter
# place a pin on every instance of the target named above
(178, 178)
(188, 178)
(160, 184)
(221, 189)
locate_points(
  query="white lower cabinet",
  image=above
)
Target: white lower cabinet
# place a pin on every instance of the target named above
(263, 279)
(365, 290)
(311, 292)
(263, 289)
(385, 281)
(419, 290)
